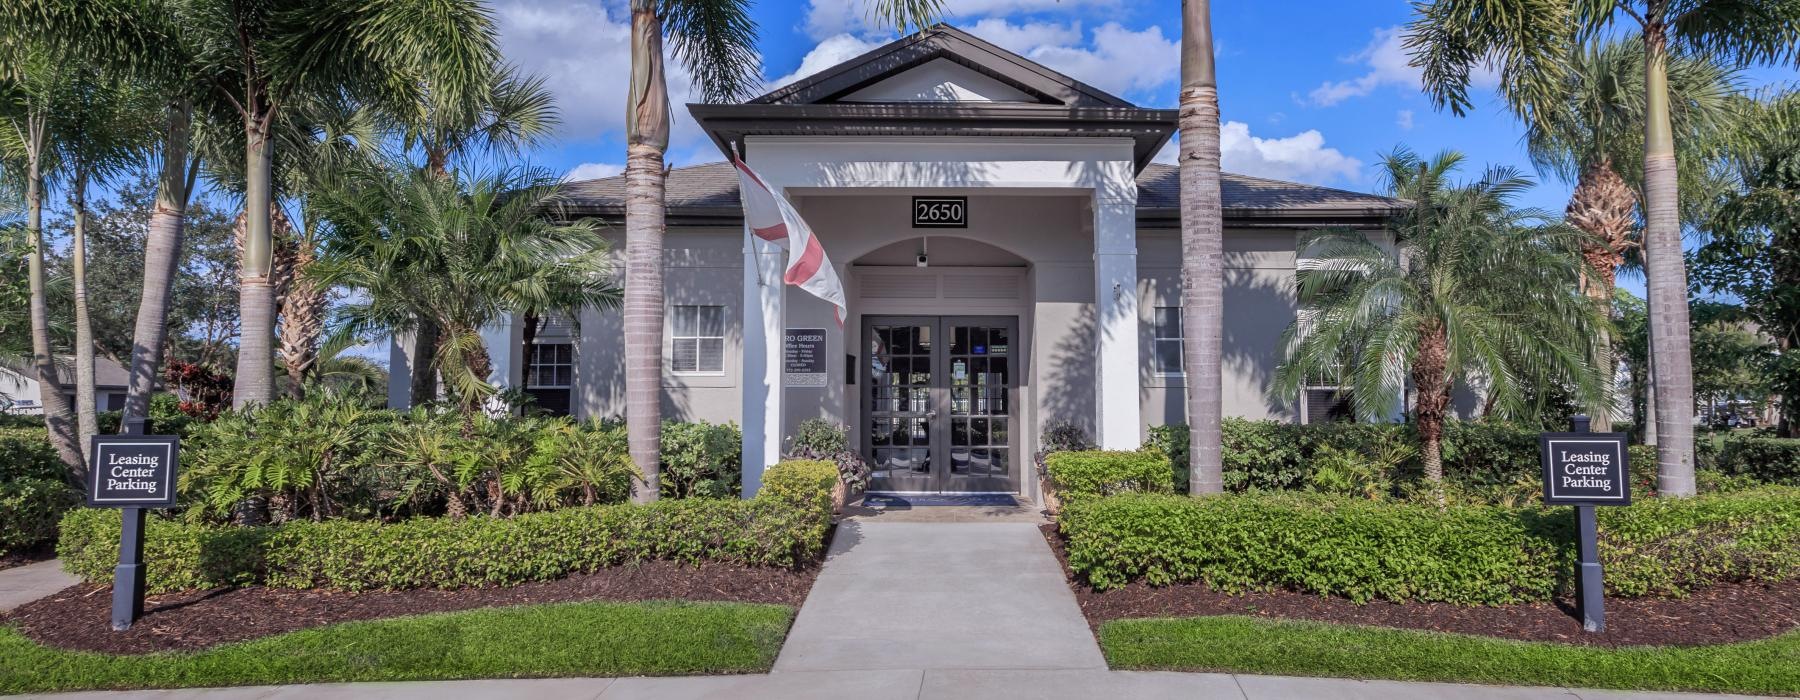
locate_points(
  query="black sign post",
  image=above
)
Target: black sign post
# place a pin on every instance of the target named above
(131, 472)
(1586, 469)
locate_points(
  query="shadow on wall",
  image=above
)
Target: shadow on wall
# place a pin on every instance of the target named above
(1068, 379)
(1259, 309)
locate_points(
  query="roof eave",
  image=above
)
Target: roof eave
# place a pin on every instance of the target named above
(1149, 129)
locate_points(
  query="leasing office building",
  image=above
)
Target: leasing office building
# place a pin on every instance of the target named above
(1009, 254)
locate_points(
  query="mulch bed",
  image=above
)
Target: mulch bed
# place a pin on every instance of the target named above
(1715, 615)
(78, 617)
(27, 556)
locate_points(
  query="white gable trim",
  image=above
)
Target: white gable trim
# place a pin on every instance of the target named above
(939, 80)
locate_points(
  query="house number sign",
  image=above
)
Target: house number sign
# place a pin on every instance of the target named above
(940, 212)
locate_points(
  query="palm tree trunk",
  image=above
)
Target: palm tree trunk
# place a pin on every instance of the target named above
(162, 258)
(424, 387)
(58, 419)
(1202, 248)
(648, 137)
(1432, 402)
(86, 418)
(1603, 206)
(255, 381)
(302, 306)
(1667, 280)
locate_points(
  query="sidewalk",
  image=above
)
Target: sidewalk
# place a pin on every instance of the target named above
(897, 685)
(23, 584)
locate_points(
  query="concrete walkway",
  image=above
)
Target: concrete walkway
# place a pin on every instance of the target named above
(22, 584)
(896, 685)
(939, 596)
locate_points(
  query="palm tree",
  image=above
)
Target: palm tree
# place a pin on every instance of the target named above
(1202, 248)
(459, 252)
(105, 129)
(1528, 41)
(1592, 137)
(507, 112)
(260, 57)
(32, 89)
(1472, 290)
(716, 41)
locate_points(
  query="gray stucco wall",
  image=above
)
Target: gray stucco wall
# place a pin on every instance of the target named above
(1055, 303)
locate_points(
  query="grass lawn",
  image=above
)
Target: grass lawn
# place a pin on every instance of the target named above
(569, 639)
(1250, 645)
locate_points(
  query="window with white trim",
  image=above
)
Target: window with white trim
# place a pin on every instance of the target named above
(1165, 343)
(699, 340)
(552, 366)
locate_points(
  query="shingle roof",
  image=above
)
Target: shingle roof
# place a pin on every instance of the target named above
(107, 374)
(712, 188)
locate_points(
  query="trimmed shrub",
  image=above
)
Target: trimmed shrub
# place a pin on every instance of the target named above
(701, 459)
(1082, 476)
(1769, 460)
(784, 526)
(1366, 550)
(25, 453)
(30, 509)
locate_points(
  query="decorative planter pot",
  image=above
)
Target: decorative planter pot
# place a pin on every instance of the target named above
(840, 495)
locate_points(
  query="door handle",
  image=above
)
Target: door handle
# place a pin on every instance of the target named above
(931, 414)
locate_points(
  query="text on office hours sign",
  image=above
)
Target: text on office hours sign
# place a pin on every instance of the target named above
(1585, 469)
(803, 357)
(133, 471)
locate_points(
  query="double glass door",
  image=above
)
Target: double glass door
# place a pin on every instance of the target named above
(938, 403)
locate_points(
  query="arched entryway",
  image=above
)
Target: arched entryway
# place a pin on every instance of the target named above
(942, 351)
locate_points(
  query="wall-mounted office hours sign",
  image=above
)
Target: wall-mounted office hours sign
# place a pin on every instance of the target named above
(1585, 469)
(940, 212)
(803, 357)
(133, 471)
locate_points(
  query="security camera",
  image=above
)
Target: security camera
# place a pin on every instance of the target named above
(923, 261)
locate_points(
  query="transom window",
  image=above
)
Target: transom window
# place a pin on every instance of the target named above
(552, 366)
(699, 339)
(1166, 345)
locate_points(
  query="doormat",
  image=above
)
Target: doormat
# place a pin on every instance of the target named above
(945, 499)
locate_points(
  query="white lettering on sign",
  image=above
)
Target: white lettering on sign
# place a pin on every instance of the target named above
(1586, 469)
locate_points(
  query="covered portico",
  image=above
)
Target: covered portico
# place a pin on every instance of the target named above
(1042, 259)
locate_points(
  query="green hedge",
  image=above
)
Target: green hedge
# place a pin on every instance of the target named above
(1275, 456)
(783, 526)
(30, 509)
(1366, 550)
(1769, 460)
(1081, 476)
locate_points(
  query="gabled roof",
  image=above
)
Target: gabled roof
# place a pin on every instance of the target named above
(941, 41)
(708, 193)
(1059, 106)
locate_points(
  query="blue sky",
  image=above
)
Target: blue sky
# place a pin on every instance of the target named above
(1311, 90)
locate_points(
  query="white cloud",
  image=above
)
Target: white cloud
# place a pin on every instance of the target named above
(583, 52)
(1404, 119)
(1388, 64)
(828, 53)
(1114, 59)
(1303, 157)
(826, 18)
(593, 171)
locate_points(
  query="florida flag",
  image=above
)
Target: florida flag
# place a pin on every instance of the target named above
(772, 219)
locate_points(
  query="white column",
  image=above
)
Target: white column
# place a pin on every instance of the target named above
(1116, 322)
(400, 369)
(762, 359)
(502, 338)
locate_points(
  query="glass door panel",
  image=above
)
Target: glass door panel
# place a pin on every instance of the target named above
(938, 403)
